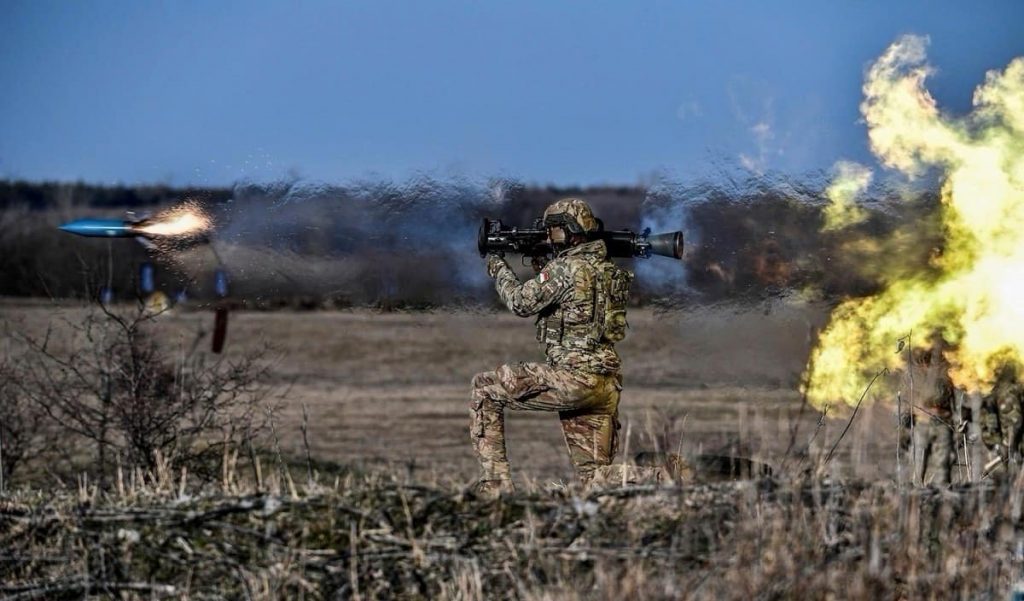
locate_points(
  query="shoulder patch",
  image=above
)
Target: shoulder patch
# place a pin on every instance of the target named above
(544, 276)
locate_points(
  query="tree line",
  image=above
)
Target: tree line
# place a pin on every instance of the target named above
(413, 243)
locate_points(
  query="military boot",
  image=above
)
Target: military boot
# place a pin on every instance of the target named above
(621, 474)
(493, 488)
(675, 466)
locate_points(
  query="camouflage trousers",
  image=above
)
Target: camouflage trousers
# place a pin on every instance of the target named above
(587, 405)
(933, 452)
(1002, 423)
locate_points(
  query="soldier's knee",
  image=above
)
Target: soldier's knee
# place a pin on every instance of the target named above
(484, 378)
(504, 376)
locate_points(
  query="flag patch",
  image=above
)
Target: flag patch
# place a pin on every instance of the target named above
(543, 277)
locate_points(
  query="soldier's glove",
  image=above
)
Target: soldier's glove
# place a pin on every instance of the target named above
(495, 263)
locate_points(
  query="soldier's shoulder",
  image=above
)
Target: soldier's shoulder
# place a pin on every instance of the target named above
(577, 261)
(559, 264)
(574, 267)
(555, 271)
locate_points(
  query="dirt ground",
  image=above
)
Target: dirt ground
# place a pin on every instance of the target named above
(392, 388)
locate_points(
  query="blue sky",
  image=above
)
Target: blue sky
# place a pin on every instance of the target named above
(545, 92)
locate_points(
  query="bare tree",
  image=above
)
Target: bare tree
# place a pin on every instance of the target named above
(115, 385)
(24, 429)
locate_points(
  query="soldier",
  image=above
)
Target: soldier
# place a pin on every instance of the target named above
(1002, 418)
(579, 298)
(933, 413)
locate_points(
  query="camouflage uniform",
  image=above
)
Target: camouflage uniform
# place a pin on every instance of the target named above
(933, 422)
(580, 380)
(1002, 417)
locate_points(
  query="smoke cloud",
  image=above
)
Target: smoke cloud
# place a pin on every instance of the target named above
(850, 182)
(359, 243)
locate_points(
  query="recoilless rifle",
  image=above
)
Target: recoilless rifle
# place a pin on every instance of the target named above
(496, 237)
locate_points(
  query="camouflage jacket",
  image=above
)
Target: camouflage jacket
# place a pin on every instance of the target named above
(561, 296)
(933, 389)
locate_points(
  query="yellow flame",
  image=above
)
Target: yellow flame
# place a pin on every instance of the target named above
(184, 220)
(849, 182)
(974, 296)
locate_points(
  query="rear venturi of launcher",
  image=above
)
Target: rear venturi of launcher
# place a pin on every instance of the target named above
(495, 237)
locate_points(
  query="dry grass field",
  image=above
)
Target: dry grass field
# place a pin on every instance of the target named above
(387, 392)
(391, 388)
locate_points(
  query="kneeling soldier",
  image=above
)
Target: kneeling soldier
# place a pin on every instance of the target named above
(579, 298)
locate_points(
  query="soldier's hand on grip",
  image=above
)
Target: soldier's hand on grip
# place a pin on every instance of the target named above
(494, 264)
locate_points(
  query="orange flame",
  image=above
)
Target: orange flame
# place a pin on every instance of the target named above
(972, 298)
(185, 220)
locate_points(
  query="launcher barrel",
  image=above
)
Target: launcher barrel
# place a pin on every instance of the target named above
(495, 237)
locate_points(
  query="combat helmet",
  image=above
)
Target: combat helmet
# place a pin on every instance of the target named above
(574, 214)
